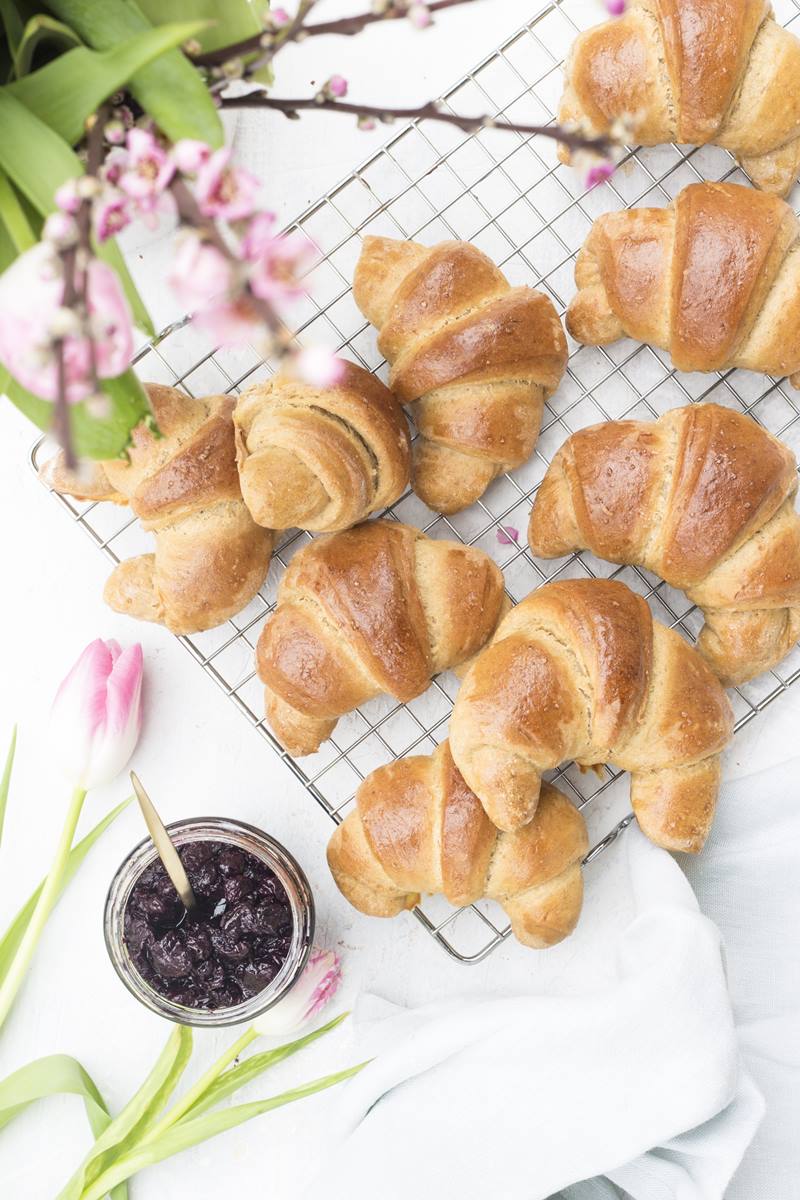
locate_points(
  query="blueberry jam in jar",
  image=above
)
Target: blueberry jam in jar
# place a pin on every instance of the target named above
(238, 951)
(225, 950)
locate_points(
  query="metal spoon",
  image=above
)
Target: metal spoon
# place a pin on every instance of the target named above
(164, 845)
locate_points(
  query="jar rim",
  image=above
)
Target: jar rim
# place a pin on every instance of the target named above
(251, 839)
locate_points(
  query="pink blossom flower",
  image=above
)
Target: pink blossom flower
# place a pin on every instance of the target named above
(115, 163)
(277, 262)
(279, 17)
(200, 272)
(508, 535)
(616, 7)
(336, 87)
(31, 293)
(223, 190)
(67, 198)
(61, 229)
(419, 15)
(315, 988)
(189, 155)
(366, 124)
(114, 131)
(317, 366)
(599, 173)
(231, 323)
(149, 168)
(97, 713)
(111, 214)
(258, 235)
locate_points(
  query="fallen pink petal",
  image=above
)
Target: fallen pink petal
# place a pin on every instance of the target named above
(508, 535)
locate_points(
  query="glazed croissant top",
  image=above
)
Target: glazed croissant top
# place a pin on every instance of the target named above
(378, 608)
(210, 557)
(703, 497)
(714, 279)
(476, 358)
(580, 670)
(321, 458)
(697, 71)
(417, 827)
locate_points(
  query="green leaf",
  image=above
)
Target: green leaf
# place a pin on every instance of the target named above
(66, 91)
(228, 22)
(5, 782)
(38, 161)
(92, 437)
(56, 1075)
(39, 30)
(170, 89)
(12, 23)
(122, 1134)
(9, 943)
(189, 1133)
(13, 217)
(236, 1077)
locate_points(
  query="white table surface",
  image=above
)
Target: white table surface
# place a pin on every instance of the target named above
(197, 755)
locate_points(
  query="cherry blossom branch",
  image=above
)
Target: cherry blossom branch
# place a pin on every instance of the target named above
(297, 30)
(428, 112)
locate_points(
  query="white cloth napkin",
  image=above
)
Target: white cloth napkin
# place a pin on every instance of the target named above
(639, 1081)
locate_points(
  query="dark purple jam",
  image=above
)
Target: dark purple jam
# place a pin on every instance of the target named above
(224, 951)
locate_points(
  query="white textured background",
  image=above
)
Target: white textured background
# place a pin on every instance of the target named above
(197, 754)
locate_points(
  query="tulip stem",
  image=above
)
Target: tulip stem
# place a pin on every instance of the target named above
(44, 906)
(199, 1089)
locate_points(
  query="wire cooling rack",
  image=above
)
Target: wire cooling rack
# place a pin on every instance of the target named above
(508, 195)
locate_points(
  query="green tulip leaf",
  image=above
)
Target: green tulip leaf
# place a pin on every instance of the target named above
(170, 89)
(10, 941)
(189, 1133)
(228, 22)
(39, 31)
(5, 781)
(71, 87)
(236, 1077)
(13, 24)
(14, 218)
(141, 1111)
(38, 161)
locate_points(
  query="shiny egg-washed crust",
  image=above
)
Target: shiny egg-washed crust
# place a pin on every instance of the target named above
(321, 458)
(210, 557)
(693, 71)
(580, 670)
(703, 497)
(376, 609)
(714, 279)
(417, 828)
(475, 358)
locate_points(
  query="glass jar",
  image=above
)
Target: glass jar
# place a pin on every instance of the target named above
(243, 837)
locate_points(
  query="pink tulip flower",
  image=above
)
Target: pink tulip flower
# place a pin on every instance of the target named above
(315, 988)
(31, 290)
(97, 713)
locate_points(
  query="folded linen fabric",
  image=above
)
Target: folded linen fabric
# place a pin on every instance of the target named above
(520, 1097)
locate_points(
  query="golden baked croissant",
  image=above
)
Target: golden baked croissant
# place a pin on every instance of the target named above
(580, 670)
(696, 71)
(703, 497)
(714, 279)
(476, 358)
(418, 828)
(210, 557)
(376, 609)
(321, 458)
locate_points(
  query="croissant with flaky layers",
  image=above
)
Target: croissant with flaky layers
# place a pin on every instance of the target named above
(377, 609)
(703, 497)
(475, 358)
(695, 71)
(321, 458)
(417, 827)
(580, 670)
(210, 557)
(714, 279)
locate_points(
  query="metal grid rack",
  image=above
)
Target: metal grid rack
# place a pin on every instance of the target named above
(509, 196)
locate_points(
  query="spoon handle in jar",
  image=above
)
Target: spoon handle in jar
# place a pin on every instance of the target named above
(164, 845)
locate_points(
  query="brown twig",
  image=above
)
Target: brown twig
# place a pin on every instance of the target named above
(426, 112)
(275, 42)
(344, 27)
